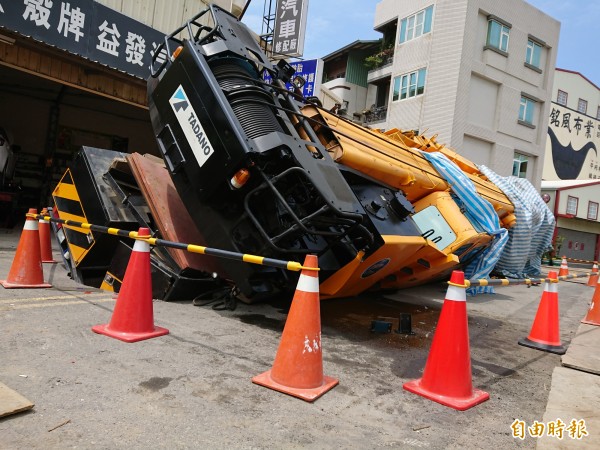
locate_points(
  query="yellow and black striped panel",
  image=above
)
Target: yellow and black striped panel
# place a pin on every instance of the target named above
(69, 207)
(109, 281)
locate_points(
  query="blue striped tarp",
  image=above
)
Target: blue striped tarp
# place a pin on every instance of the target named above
(480, 212)
(532, 234)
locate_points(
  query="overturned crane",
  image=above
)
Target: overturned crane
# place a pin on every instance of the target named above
(263, 171)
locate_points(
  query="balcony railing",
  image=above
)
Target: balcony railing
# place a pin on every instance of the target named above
(376, 114)
(380, 59)
(385, 62)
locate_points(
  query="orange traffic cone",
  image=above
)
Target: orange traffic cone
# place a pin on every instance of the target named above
(593, 315)
(298, 366)
(545, 333)
(133, 317)
(593, 279)
(45, 244)
(447, 375)
(564, 268)
(26, 269)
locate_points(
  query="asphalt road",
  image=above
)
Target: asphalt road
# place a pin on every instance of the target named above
(192, 388)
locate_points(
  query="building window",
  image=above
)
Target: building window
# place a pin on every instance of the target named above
(561, 98)
(497, 35)
(592, 211)
(598, 113)
(533, 53)
(526, 109)
(572, 205)
(582, 106)
(409, 85)
(520, 165)
(412, 27)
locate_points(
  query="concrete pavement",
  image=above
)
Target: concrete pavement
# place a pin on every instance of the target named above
(192, 388)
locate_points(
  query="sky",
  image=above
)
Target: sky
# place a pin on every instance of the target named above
(332, 24)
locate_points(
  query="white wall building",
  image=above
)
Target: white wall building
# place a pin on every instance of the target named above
(478, 73)
(573, 129)
(167, 15)
(572, 164)
(575, 206)
(345, 75)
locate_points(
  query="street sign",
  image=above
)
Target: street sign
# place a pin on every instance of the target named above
(85, 28)
(290, 26)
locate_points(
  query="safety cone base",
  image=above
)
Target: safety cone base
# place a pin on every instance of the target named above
(49, 261)
(461, 404)
(309, 395)
(8, 285)
(590, 322)
(557, 349)
(129, 336)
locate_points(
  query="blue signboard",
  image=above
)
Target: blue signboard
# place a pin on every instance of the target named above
(85, 28)
(306, 69)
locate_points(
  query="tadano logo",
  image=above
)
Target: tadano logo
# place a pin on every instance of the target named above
(191, 126)
(180, 100)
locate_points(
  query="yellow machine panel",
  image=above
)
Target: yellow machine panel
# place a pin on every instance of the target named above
(389, 159)
(395, 158)
(454, 238)
(361, 274)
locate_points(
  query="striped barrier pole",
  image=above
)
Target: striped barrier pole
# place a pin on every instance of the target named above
(517, 281)
(252, 259)
(582, 261)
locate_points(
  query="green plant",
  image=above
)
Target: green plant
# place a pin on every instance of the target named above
(554, 251)
(378, 59)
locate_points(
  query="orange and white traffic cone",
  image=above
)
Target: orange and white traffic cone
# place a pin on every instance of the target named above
(447, 374)
(26, 269)
(593, 279)
(45, 243)
(298, 366)
(133, 317)
(564, 268)
(545, 332)
(593, 315)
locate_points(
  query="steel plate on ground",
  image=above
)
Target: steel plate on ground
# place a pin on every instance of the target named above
(171, 217)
